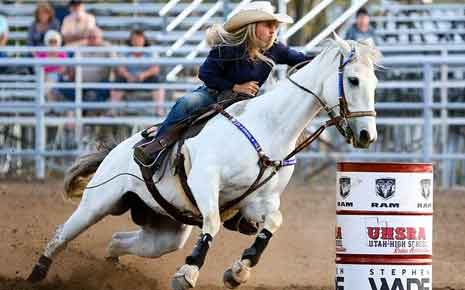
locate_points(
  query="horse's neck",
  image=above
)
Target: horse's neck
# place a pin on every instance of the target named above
(287, 110)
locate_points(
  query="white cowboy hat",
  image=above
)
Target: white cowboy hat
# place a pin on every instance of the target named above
(255, 12)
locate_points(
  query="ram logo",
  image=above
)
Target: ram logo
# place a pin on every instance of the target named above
(385, 187)
(344, 186)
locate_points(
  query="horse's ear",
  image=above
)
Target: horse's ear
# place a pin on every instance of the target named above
(342, 43)
(369, 41)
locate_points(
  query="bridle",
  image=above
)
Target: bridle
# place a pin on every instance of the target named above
(341, 120)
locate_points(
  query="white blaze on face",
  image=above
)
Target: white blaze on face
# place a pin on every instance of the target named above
(361, 98)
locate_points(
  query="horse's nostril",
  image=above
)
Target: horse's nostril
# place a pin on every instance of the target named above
(364, 137)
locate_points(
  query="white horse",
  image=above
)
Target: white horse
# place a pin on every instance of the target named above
(221, 164)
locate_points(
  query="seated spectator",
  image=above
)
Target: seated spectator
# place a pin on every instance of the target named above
(77, 24)
(3, 40)
(61, 8)
(361, 29)
(3, 30)
(140, 73)
(53, 72)
(93, 74)
(44, 21)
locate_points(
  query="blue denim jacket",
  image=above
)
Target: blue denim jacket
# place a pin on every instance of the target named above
(226, 66)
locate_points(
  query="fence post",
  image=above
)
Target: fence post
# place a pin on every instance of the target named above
(78, 99)
(165, 22)
(446, 165)
(40, 124)
(282, 8)
(226, 9)
(428, 112)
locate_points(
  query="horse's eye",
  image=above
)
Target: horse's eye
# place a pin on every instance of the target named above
(353, 81)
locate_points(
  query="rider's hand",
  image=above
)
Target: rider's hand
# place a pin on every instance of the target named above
(249, 88)
(152, 131)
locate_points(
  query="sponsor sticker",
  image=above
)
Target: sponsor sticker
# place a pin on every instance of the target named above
(344, 186)
(385, 187)
(383, 277)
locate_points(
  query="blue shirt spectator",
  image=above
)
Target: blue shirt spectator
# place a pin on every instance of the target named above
(43, 22)
(142, 72)
(137, 69)
(361, 29)
(61, 10)
(3, 39)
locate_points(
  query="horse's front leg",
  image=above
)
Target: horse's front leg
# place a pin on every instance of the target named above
(240, 271)
(204, 186)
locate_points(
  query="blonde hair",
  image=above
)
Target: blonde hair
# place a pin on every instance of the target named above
(218, 36)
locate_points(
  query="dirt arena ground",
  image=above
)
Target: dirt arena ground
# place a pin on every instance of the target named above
(300, 256)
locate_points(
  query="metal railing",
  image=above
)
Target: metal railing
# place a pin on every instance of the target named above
(434, 123)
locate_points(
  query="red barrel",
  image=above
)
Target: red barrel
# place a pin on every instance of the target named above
(384, 233)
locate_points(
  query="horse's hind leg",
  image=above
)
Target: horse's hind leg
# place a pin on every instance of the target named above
(88, 213)
(160, 237)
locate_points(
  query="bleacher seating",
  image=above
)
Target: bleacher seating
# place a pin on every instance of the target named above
(420, 24)
(117, 19)
(395, 24)
(17, 87)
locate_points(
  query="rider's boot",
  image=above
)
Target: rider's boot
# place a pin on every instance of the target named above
(147, 154)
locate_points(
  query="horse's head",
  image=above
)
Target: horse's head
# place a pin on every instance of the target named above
(349, 88)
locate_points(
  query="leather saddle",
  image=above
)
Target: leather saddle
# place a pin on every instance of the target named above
(188, 127)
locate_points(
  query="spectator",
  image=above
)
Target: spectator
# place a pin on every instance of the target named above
(3, 32)
(78, 23)
(44, 21)
(61, 8)
(140, 73)
(3, 40)
(52, 73)
(361, 29)
(94, 74)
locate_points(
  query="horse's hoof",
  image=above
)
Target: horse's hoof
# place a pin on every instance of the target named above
(40, 270)
(229, 281)
(38, 274)
(240, 272)
(185, 278)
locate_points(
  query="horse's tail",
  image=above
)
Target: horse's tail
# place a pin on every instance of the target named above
(82, 170)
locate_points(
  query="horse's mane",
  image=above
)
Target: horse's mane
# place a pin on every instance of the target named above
(365, 53)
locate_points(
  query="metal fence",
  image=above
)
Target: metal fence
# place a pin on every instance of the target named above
(420, 117)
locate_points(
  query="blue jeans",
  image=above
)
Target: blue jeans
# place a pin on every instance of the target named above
(198, 99)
